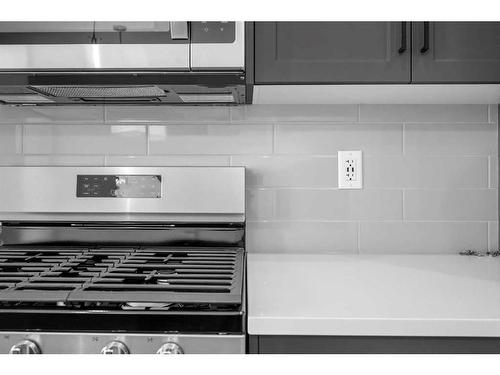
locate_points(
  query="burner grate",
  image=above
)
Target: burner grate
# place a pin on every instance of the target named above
(144, 275)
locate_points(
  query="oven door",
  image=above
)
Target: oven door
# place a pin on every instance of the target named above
(42, 46)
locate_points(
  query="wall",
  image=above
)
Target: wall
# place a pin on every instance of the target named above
(430, 171)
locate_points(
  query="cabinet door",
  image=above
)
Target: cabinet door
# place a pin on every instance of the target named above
(372, 345)
(458, 52)
(332, 52)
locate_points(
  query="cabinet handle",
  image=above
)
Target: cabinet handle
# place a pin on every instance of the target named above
(425, 47)
(402, 48)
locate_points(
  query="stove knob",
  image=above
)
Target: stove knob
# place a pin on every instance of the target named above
(115, 347)
(170, 348)
(25, 347)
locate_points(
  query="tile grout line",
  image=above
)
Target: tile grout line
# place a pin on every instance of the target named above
(358, 240)
(147, 140)
(403, 205)
(489, 172)
(104, 119)
(274, 138)
(373, 221)
(273, 205)
(21, 142)
(488, 242)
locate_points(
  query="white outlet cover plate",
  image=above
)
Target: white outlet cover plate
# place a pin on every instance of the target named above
(350, 169)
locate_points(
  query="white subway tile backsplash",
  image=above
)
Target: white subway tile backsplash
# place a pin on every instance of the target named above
(20, 160)
(288, 171)
(259, 204)
(450, 139)
(294, 113)
(84, 139)
(210, 139)
(430, 171)
(10, 139)
(327, 139)
(301, 237)
(11, 160)
(469, 204)
(166, 114)
(63, 115)
(339, 204)
(12, 115)
(422, 237)
(453, 113)
(63, 160)
(425, 172)
(168, 160)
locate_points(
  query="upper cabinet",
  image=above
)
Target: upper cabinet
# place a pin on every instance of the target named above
(457, 52)
(332, 52)
(377, 52)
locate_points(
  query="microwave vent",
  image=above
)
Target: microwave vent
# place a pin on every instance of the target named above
(100, 91)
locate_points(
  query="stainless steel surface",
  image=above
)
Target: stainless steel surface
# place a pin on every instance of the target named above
(112, 62)
(220, 55)
(170, 348)
(25, 347)
(94, 56)
(169, 56)
(45, 27)
(115, 347)
(92, 343)
(131, 235)
(195, 193)
(179, 30)
(134, 26)
(207, 98)
(24, 98)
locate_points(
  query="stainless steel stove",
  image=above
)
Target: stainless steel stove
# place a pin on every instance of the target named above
(122, 260)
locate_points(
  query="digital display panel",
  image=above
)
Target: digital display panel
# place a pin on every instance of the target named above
(118, 186)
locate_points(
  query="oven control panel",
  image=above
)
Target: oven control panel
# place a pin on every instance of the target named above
(118, 186)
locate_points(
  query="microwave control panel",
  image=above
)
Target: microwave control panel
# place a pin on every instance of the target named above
(213, 32)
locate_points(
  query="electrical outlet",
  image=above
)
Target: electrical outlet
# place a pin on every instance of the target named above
(350, 169)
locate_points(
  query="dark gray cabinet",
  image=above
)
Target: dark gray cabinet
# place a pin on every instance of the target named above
(372, 345)
(457, 52)
(377, 52)
(332, 52)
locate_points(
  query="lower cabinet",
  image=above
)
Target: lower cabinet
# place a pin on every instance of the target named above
(372, 345)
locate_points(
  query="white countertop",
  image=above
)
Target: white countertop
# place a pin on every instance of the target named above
(388, 295)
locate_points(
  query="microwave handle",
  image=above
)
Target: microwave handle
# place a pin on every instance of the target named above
(179, 30)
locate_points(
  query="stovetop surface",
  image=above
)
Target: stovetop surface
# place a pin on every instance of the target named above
(121, 278)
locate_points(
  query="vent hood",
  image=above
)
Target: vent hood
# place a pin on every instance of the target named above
(48, 63)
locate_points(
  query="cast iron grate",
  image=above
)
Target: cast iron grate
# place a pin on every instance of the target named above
(122, 275)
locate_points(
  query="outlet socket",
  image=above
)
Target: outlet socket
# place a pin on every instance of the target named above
(350, 169)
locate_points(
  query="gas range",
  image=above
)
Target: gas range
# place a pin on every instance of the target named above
(122, 260)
